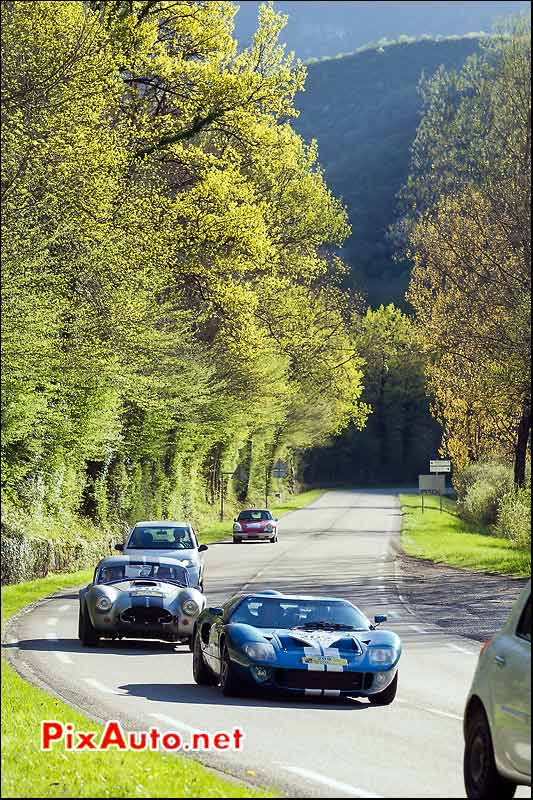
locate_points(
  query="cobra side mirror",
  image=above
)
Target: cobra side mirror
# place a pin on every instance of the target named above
(379, 618)
(202, 548)
(119, 547)
(216, 611)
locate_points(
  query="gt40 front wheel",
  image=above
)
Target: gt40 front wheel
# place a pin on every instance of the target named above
(385, 697)
(201, 672)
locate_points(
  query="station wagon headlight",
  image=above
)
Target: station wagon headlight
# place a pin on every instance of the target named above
(382, 655)
(103, 604)
(259, 651)
(236, 527)
(269, 528)
(190, 608)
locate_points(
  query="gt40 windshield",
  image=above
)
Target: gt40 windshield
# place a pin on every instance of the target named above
(304, 614)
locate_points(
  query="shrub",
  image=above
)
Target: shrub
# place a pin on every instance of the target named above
(480, 488)
(514, 517)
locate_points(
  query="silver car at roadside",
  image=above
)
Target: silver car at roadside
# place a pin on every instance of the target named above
(497, 718)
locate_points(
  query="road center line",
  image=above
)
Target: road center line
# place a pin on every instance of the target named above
(346, 788)
(418, 629)
(175, 723)
(462, 649)
(443, 713)
(100, 687)
(62, 657)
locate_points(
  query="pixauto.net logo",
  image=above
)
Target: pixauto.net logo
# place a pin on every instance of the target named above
(55, 735)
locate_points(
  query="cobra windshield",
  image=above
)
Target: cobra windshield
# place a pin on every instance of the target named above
(281, 612)
(152, 571)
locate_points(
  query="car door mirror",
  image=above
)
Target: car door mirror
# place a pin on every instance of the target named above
(119, 547)
(215, 611)
(202, 548)
(379, 618)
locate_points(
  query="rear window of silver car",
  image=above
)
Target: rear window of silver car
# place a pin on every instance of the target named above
(171, 538)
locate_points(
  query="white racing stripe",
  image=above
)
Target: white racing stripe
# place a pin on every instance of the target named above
(339, 786)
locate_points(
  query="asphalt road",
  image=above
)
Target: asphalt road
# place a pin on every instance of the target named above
(340, 545)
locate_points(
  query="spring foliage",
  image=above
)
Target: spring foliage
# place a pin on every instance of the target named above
(169, 302)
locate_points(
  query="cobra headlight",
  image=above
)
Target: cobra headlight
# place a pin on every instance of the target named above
(190, 608)
(382, 655)
(259, 651)
(103, 604)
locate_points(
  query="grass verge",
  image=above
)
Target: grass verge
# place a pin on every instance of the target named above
(28, 772)
(444, 537)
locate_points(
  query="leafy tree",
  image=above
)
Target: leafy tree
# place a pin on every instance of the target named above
(469, 236)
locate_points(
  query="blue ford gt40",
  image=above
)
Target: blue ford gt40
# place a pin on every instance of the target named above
(269, 641)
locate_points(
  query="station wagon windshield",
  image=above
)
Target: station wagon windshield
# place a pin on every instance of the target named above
(254, 516)
(151, 538)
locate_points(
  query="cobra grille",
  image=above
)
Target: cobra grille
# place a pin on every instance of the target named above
(141, 615)
(311, 679)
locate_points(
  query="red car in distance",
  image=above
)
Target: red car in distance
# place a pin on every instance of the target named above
(255, 523)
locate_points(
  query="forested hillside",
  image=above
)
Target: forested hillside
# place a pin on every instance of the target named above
(325, 27)
(170, 302)
(363, 111)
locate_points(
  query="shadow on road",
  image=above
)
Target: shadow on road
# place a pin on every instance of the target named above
(128, 647)
(188, 693)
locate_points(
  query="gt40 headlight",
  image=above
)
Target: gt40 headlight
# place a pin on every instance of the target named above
(190, 608)
(259, 651)
(103, 604)
(382, 655)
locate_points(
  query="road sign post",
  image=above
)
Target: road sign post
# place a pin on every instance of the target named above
(279, 471)
(431, 485)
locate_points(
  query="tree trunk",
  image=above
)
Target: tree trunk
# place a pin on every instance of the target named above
(520, 451)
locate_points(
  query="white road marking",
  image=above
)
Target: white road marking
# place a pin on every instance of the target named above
(429, 710)
(175, 723)
(100, 687)
(63, 608)
(51, 621)
(462, 649)
(418, 629)
(442, 713)
(346, 788)
(63, 657)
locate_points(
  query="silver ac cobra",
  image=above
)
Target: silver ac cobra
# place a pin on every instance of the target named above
(132, 597)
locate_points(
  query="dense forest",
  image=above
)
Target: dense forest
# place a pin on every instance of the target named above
(171, 302)
(319, 28)
(364, 111)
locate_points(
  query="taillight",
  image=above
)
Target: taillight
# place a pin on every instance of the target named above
(484, 646)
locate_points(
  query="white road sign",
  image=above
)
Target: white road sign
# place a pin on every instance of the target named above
(442, 465)
(431, 484)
